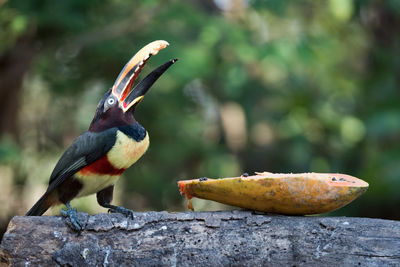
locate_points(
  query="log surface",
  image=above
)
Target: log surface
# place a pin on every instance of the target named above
(224, 238)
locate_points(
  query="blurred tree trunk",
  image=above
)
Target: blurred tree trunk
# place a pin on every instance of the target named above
(14, 64)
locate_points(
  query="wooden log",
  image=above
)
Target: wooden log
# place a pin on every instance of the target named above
(226, 238)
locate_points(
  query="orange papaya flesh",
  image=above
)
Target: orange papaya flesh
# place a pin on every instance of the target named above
(295, 194)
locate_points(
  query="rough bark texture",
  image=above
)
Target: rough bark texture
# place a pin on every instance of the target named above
(235, 238)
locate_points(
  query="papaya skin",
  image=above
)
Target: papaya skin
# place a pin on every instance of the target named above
(292, 194)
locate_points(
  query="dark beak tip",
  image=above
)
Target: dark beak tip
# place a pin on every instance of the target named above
(142, 87)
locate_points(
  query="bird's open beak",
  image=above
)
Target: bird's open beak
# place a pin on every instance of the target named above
(123, 89)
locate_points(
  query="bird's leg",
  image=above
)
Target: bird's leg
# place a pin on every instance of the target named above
(104, 198)
(72, 215)
(118, 209)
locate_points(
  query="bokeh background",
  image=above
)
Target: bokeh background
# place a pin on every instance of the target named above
(272, 85)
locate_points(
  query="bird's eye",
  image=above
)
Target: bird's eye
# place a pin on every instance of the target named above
(111, 101)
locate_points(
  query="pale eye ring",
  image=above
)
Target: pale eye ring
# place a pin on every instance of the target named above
(111, 101)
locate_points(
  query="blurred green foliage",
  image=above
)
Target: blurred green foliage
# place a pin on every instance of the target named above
(280, 86)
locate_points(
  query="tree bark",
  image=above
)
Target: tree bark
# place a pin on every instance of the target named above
(226, 238)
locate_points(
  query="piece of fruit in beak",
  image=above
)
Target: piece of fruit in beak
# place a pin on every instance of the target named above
(129, 73)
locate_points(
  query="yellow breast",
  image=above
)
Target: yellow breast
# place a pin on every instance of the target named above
(127, 151)
(122, 155)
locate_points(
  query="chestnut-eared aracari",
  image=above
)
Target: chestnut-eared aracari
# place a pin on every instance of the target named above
(113, 142)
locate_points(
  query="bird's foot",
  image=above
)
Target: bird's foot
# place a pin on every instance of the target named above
(127, 212)
(72, 215)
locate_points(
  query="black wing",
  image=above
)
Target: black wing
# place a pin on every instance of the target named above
(86, 149)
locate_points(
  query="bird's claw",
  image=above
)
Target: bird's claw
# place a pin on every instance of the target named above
(72, 215)
(127, 212)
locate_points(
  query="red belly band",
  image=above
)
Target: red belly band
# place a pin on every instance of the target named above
(101, 166)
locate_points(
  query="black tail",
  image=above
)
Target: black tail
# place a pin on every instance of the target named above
(40, 206)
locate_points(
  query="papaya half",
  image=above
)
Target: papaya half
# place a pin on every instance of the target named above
(295, 194)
